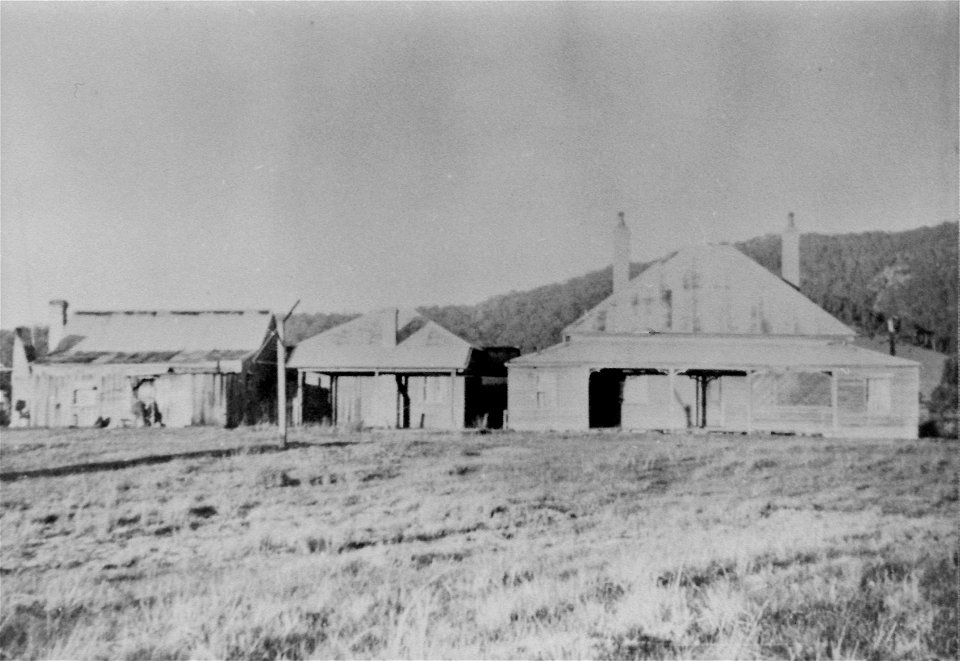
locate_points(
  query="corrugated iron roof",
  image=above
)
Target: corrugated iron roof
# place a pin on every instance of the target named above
(181, 337)
(713, 353)
(357, 345)
(713, 289)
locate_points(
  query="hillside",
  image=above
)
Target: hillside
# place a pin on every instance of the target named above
(859, 278)
(855, 277)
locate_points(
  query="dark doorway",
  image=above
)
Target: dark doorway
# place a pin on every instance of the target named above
(317, 407)
(606, 398)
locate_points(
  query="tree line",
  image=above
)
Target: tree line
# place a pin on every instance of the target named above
(861, 279)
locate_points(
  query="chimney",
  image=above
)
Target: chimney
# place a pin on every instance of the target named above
(57, 322)
(790, 253)
(388, 327)
(621, 255)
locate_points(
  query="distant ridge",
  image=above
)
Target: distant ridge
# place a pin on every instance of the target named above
(840, 273)
(843, 273)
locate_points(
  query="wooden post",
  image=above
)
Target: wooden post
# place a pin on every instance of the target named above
(281, 385)
(282, 377)
(333, 400)
(671, 385)
(749, 402)
(298, 401)
(835, 399)
(453, 401)
(703, 384)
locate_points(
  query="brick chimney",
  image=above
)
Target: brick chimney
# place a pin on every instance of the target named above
(790, 253)
(57, 321)
(621, 255)
(388, 327)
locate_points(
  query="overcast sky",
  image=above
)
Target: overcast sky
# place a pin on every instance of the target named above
(356, 156)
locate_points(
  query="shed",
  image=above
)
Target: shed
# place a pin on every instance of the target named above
(134, 367)
(397, 369)
(707, 338)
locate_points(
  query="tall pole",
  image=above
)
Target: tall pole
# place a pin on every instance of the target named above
(282, 377)
(281, 385)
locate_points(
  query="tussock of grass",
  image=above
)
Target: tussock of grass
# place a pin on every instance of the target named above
(432, 546)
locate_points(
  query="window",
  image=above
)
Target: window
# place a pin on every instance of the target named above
(803, 389)
(878, 395)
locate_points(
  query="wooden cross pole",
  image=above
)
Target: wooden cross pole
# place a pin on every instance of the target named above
(282, 378)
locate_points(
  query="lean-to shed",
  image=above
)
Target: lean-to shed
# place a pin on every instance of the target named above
(397, 369)
(175, 368)
(708, 338)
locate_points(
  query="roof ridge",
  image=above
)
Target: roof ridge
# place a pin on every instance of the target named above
(154, 313)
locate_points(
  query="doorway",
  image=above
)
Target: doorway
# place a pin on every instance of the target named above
(606, 398)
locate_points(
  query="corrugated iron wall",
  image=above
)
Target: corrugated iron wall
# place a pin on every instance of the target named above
(79, 397)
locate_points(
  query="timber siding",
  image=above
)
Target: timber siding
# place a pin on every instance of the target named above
(547, 398)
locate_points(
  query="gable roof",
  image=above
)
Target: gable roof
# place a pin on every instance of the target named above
(183, 337)
(712, 289)
(357, 346)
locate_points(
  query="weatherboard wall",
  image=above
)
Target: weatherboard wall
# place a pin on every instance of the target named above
(545, 398)
(659, 401)
(854, 402)
(437, 401)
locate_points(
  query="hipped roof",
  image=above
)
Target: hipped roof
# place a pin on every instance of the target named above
(179, 337)
(706, 353)
(421, 345)
(712, 289)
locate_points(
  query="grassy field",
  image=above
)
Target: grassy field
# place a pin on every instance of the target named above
(507, 545)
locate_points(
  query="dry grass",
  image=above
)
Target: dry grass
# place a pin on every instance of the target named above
(466, 546)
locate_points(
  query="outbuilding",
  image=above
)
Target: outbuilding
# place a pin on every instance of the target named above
(397, 369)
(132, 368)
(707, 338)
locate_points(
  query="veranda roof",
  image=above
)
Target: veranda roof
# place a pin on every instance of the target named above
(706, 353)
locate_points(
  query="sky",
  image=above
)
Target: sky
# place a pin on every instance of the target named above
(364, 155)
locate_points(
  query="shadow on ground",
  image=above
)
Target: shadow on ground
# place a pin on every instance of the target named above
(118, 464)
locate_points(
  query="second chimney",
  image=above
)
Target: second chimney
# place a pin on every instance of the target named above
(388, 327)
(57, 324)
(621, 255)
(790, 253)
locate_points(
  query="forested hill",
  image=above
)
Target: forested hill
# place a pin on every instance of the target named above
(859, 278)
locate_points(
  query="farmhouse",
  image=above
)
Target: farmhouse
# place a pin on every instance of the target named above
(395, 368)
(147, 367)
(707, 338)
